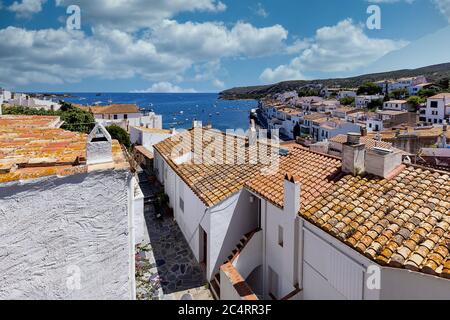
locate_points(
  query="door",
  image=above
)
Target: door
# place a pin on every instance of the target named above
(203, 246)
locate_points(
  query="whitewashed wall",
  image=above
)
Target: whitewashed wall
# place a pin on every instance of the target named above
(54, 226)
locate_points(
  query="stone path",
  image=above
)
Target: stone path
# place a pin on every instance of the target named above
(165, 266)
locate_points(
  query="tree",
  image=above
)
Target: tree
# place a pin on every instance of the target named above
(296, 130)
(374, 105)
(398, 93)
(444, 83)
(414, 102)
(346, 101)
(119, 134)
(369, 88)
(428, 92)
(74, 118)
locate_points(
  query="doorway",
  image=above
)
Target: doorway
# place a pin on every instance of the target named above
(203, 246)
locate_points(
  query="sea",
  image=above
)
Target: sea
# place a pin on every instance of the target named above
(179, 109)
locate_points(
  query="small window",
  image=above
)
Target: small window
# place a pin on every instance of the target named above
(181, 204)
(280, 236)
(115, 117)
(125, 116)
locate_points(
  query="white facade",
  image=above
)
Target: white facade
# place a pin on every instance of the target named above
(148, 138)
(23, 100)
(346, 93)
(363, 101)
(396, 105)
(224, 224)
(438, 108)
(68, 237)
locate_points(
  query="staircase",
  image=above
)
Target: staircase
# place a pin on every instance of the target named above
(215, 282)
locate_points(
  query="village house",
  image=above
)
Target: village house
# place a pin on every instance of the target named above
(344, 112)
(363, 101)
(412, 85)
(317, 227)
(124, 115)
(24, 100)
(326, 128)
(346, 93)
(385, 119)
(438, 108)
(71, 213)
(396, 105)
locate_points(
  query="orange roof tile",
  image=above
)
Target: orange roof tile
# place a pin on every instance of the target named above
(369, 142)
(33, 152)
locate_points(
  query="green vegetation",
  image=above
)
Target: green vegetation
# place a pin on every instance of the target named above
(120, 135)
(74, 118)
(398, 94)
(436, 73)
(347, 101)
(369, 88)
(415, 101)
(308, 92)
(374, 105)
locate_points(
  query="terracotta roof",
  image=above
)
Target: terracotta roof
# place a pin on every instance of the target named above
(211, 182)
(111, 109)
(401, 222)
(22, 121)
(144, 151)
(30, 152)
(316, 116)
(369, 142)
(430, 132)
(315, 171)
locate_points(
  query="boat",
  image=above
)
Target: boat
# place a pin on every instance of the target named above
(98, 94)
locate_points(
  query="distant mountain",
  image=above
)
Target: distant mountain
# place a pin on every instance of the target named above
(433, 73)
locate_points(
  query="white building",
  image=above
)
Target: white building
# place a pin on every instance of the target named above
(438, 108)
(5, 94)
(148, 137)
(313, 228)
(326, 128)
(346, 93)
(364, 100)
(24, 100)
(396, 105)
(70, 213)
(411, 84)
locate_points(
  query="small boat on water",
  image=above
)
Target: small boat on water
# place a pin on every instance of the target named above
(181, 112)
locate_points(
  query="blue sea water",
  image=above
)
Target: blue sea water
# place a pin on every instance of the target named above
(179, 109)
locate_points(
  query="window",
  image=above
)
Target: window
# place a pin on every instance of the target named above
(433, 104)
(115, 117)
(280, 236)
(182, 204)
(125, 116)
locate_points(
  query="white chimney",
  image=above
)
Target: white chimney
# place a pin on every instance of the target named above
(99, 146)
(382, 162)
(353, 154)
(291, 195)
(197, 124)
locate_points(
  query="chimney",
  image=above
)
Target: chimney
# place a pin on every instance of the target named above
(382, 162)
(363, 131)
(353, 154)
(196, 124)
(291, 195)
(99, 146)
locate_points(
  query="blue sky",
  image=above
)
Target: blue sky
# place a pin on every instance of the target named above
(208, 45)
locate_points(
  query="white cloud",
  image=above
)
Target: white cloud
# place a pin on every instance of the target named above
(219, 84)
(135, 14)
(260, 10)
(343, 47)
(26, 8)
(211, 40)
(165, 87)
(444, 7)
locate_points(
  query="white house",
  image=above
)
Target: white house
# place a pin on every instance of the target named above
(396, 105)
(69, 212)
(24, 100)
(148, 137)
(346, 93)
(364, 100)
(5, 94)
(438, 108)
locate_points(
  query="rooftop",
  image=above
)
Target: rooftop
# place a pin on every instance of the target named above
(210, 181)
(33, 152)
(397, 101)
(22, 121)
(369, 142)
(111, 109)
(153, 130)
(444, 95)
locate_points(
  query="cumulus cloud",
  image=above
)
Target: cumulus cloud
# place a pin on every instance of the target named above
(135, 14)
(210, 40)
(165, 87)
(26, 8)
(343, 47)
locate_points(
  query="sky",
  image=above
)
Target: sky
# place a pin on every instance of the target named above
(211, 45)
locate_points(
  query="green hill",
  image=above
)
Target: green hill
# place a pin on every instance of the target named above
(433, 73)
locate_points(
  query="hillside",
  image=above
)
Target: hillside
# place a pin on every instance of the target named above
(433, 73)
